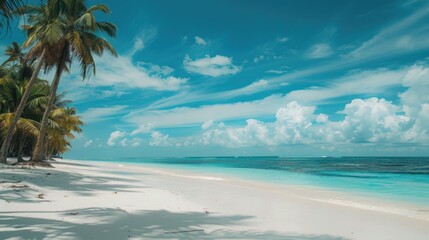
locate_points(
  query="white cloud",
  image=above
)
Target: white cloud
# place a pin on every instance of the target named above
(369, 120)
(187, 97)
(147, 35)
(294, 114)
(389, 42)
(407, 35)
(275, 71)
(180, 116)
(103, 113)
(292, 122)
(258, 59)
(417, 82)
(158, 139)
(253, 134)
(211, 66)
(138, 45)
(88, 143)
(120, 138)
(360, 82)
(115, 137)
(118, 75)
(122, 73)
(282, 39)
(320, 50)
(207, 124)
(200, 41)
(322, 118)
(373, 120)
(143, 128)
(363, 82)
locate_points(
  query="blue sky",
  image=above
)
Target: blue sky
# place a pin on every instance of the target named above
(204, 78)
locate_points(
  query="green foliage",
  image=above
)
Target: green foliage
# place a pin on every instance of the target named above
(63, 122)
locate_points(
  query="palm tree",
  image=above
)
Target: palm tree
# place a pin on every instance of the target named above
(15, 54)
(65, 123)
(27, 129)
(79, 40)
(14, 118)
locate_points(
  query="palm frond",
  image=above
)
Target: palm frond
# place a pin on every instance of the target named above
(106, 27)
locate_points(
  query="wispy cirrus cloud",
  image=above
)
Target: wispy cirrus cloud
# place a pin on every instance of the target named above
(402, 37)
(363, 82)
(189, 97)
(200, 41)
(102, 113)
(320, 50)
(211, 66)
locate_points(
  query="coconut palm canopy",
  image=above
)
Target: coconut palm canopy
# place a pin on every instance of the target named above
(63, 123)
(56, 32)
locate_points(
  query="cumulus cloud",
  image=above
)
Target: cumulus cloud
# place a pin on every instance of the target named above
(362, 120)
(371, 82)
(200, 41)
(211, 66)
(120, 138)
(253, 134)
(322, 118)
(320, 50)
(115, 137)
(292, 122)
(417, 82)
(371, 120)
(158, 139)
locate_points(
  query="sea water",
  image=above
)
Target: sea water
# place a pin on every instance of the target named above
(394, 178)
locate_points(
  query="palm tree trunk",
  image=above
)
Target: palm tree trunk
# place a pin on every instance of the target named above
(8, 139)
(38, 153)
(21, 144)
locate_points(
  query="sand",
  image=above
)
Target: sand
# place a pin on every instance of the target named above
(96, 200)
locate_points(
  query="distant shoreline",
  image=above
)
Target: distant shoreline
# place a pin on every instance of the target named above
(400, 179)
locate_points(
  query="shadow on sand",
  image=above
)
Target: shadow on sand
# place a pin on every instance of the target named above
(77, 183)
(108, 223)
(111, 223)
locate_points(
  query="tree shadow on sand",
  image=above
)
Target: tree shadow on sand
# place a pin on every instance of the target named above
(109, 223)
(81, 184)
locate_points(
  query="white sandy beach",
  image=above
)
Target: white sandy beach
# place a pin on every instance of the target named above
(94, 200)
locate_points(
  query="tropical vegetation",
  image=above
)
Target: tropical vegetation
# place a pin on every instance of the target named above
(59, 32)
(63, 121)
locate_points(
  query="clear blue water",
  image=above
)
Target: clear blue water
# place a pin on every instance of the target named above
(395, 178)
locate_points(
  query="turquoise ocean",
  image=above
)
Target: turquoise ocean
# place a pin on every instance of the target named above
(403, 179)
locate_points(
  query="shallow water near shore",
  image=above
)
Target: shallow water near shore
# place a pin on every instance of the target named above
(403, 179)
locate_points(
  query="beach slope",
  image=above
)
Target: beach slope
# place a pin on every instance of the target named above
(96, 200)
